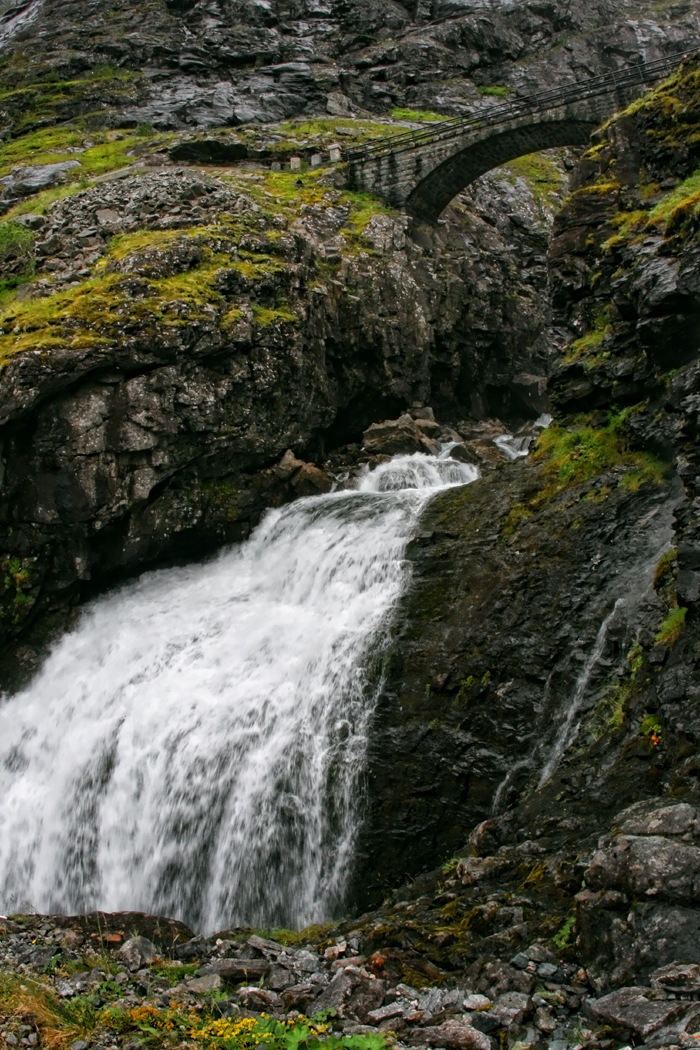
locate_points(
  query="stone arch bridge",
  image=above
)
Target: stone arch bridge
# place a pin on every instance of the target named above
(423, 170)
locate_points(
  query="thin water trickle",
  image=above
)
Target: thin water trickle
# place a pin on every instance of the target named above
(564, 735)
(194, 747)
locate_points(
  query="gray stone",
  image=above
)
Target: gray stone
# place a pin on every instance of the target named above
(678, 978)
(633, 1009)
(334, 996)
(688, 586)
(259, 999)
(266, 947)
(651, 865)
(338, 105)
(476, 1002)
(384, 1012)
(33, 179)
(650, 818)
(280, 978)
(236, 969)
(307, 961)
(199, 985)
(137, 952)
(511, 1008)
(453, 1034)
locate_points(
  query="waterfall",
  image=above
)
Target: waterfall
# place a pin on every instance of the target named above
(195, 746)
(564, 735)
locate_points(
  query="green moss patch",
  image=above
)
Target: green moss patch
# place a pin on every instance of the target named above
(495, 90)
(572, 455)
(16, 256)
(541, 175)
(32, 103)
(423, 116)
(670, 629)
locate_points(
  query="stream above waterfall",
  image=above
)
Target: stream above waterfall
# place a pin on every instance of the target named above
(195, 746)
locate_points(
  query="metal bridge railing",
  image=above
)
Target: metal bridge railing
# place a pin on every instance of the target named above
(641, 73)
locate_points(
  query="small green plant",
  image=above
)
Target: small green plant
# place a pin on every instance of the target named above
(464, 686)
(144, 129)
(109, 989)
(671, 627)
(562, 937)
(652, 728)
(16, 255)
(175, 973)
(450, 865)
(664, 567)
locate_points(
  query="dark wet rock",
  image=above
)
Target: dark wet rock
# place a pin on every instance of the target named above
(400, 436)
(207, 65)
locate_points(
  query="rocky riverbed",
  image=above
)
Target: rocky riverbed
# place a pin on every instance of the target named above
(467, 958)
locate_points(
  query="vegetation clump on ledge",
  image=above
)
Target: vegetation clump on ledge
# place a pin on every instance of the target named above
(571, 455)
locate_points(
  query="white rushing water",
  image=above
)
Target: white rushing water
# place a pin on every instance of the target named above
(195, 746)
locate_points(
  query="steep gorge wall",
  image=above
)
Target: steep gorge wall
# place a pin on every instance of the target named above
(577, 566)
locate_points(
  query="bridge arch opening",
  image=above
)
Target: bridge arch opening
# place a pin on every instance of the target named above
(435, 190)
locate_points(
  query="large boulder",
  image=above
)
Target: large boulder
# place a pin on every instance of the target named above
(402, 436)
(639, 910)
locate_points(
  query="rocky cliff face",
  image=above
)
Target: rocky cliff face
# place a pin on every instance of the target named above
(546, 658)
(182, 63)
